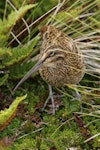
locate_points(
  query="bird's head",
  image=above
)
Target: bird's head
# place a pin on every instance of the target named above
(48, 58)
(52, 56)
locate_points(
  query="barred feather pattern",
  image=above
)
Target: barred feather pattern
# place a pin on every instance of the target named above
(64, 63)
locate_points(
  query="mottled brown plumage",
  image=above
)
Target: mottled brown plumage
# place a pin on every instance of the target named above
(60, 61)
(64, 63)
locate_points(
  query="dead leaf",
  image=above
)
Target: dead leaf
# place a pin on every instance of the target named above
(53, 148)
(83, 130)
(6, 142)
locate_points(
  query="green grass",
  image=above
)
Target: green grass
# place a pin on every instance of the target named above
(32, 128)
(59, 131)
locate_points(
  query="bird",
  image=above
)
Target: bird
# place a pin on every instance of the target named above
(60, 62)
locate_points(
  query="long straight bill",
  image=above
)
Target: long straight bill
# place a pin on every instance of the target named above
(29, 73)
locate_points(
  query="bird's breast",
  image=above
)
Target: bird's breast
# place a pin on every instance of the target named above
(65, 73)
(53, 76)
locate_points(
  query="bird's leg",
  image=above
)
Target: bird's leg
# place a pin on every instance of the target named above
(52, 100)
(77, 96)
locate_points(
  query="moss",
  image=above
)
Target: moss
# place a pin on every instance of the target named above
(60, 131)
(25, 143)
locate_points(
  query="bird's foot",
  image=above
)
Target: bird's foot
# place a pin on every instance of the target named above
(51, 96)
(76, 95)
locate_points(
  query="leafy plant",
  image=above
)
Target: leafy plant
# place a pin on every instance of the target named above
(20, 44)
(7, 114)
(10, 56)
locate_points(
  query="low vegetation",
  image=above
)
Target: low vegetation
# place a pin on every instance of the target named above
(23, 125)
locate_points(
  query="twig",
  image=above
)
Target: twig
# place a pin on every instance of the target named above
(89, 139)
(29, 133)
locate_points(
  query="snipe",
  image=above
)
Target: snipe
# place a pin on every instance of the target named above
(60, 61)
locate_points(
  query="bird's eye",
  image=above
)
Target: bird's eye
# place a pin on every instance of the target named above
(51, 53)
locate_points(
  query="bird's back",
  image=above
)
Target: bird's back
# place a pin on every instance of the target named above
(67, 65)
